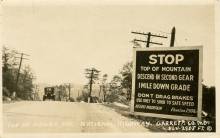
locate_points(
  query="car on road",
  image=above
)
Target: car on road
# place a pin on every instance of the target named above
(49, 94)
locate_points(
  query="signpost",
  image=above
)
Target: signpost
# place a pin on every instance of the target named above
(167, 82)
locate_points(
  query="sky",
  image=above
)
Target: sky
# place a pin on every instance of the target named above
(62, 40)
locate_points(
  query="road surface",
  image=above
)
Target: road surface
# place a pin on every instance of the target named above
(64, 117)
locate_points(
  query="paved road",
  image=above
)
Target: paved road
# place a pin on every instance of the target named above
(64, 117)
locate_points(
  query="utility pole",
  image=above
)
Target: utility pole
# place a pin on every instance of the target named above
(173, 33)
(69, 90)
(90, 85)
(102, 87)
(149, 35)
(148, 39)
(19, 68)
(92, 75)
(100, 90)
(59, 91)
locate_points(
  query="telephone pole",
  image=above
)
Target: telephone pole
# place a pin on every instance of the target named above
(173, 33)
(92, 76)
(19, 68)
(90, 84)
(149, 36)
(69, 90)
(100, 90)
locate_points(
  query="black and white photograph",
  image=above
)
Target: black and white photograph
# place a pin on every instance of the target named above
(82, 67)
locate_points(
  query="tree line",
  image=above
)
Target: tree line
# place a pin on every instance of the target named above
(15, 87)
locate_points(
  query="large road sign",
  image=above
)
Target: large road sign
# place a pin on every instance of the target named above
(167, 82)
